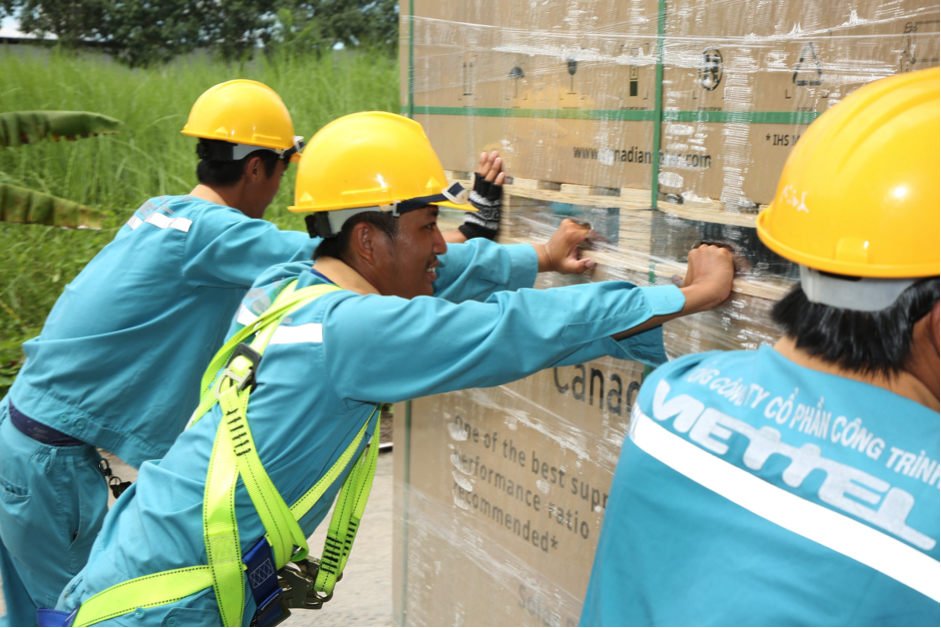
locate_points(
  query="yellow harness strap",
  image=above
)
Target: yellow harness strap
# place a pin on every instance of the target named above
(234, 456)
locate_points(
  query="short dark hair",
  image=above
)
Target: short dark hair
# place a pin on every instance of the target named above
(227, 173)
(338, 245)
(866, 342)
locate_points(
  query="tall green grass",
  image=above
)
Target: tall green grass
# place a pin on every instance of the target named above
(117, 173)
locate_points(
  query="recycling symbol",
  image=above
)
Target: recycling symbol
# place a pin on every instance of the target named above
(808, 68)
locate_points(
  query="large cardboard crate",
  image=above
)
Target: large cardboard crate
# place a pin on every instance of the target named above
(662, 123)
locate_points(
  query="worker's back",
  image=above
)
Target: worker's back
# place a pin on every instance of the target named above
(752, 490)
(144, 317)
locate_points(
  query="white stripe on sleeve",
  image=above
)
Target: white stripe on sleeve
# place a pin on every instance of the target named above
(162, 221)
(289, 335)
(245, 316)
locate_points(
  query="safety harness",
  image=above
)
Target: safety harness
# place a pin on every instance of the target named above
(280, 576)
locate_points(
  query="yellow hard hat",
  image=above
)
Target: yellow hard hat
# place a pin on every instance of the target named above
(245, 113)
(371, 161)
(859, 195)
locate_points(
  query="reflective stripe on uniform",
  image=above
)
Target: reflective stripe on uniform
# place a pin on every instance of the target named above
(814, 522)
(245, 316)
(309, 332)
(162, 221)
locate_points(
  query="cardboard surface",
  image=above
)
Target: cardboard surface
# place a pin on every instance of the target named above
(499, 493)
(501, 514)
(566, 89)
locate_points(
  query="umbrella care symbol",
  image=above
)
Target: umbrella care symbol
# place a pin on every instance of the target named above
(710, 74)
(517, 73)
(572, 67)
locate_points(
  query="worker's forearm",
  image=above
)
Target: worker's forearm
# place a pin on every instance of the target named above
(509, 336)
(698, 299)
(542, 255)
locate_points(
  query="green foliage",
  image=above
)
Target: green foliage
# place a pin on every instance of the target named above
(144, 32)
(25, 127)
(69, 20)
(115, 174)
(319, 25)
(234, 28)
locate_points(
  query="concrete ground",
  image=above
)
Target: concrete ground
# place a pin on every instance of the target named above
(364, 596)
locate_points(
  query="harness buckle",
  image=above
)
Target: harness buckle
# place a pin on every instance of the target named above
(261, 612)
(248, 378)
(297, 582)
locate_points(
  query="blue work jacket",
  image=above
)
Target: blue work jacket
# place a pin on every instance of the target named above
(151, 309)
(144, 318)
(754, 491)
(338, 357)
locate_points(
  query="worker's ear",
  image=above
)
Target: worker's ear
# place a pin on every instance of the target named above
(254, 170)
(363, 242)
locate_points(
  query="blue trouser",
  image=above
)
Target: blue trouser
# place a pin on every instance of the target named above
(53, 501)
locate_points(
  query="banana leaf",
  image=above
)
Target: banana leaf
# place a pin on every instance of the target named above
(21, 205)
(26, 127)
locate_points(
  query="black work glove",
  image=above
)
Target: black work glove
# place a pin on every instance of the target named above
(485, 222)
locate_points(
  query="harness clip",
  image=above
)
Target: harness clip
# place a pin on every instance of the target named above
(248, 378)
(114, 482)
(297, 585)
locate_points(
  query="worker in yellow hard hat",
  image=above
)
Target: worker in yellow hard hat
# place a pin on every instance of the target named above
(144, 316)
(290, 402)
(798, 484)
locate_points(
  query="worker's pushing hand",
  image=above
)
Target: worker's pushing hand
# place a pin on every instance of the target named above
(486, 198)
(490, 168)
(708, 280)
(561, 253)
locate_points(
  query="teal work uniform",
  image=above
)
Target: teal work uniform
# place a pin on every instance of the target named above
(753, 491)
(145, 316)
(320, 378)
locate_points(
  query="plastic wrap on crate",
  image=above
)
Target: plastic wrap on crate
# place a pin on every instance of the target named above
(571, 90)
(743, 322)
(663, 124)
(500, 494)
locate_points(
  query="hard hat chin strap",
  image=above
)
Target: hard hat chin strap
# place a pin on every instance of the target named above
(860, 294)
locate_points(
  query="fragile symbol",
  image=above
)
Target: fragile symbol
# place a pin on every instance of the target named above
(808, 54)
(710, 74)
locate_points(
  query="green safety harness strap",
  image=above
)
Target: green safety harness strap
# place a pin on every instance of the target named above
(234, 456)
(347, 513)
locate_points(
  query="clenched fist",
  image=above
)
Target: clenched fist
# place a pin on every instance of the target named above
(561, 252)
(708, 280)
